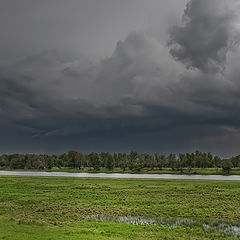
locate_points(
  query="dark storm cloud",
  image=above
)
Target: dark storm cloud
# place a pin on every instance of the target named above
(138, 98)
(208, 32)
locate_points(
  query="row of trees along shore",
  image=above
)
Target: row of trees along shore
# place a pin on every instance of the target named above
(132, 161)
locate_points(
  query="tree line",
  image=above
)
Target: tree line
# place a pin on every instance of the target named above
(132, 161)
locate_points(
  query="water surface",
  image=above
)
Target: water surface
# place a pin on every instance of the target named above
(228, 228)
(120, 175)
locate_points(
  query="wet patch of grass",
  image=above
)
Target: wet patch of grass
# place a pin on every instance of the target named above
(59, 206)
(229, 228)
(12, 230)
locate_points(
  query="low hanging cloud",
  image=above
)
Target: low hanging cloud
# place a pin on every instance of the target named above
(141, 97)
(210, 29)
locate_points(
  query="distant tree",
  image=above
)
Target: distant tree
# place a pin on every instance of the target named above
(204, 160)
(160, 161)
(132, 160)
(149, 161)
(103, 158)
(94, 161)
(217, 162)
(49, 162)
(172, 161)
(116, 159)
(226, 166)
(109, 162)
(59, 161)
(16, 161)
(182, 162)
(235, 161)
(190, 160)
(135, 161)
(2, 162)
(210, 160)
(79, 160)
(123, 161)
(72, 158)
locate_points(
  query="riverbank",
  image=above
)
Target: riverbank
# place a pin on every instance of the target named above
(185, 171)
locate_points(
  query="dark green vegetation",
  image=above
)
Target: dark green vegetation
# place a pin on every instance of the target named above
(56, 208)
(185, 171)
(190, 163)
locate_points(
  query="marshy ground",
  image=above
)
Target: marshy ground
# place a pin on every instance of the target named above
(59, 208)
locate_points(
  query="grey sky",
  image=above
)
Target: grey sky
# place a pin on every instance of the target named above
(91, 27)
(108, 75)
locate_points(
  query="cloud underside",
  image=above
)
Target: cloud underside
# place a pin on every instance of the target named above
(147, 96)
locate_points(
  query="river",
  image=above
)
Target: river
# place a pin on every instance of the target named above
(120, 175)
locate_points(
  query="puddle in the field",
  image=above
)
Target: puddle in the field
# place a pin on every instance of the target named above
(227, 228)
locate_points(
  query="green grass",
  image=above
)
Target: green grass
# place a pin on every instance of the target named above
(100, 231)
(55, 208)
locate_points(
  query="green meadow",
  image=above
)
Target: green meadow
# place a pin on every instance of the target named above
(57, 208)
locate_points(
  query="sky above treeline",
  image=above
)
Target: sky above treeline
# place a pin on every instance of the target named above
(107, 75)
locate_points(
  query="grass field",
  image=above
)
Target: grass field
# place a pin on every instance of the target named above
(56, 208)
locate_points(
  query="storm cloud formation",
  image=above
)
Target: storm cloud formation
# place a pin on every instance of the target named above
(209, 31)
(140, 98)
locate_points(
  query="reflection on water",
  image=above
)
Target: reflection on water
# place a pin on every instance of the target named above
(227, 228)
(120, 175)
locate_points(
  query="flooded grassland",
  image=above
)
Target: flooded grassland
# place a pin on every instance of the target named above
(99, 208)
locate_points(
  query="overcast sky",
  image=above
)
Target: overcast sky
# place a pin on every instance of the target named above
(107, 75)
(90, 27)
